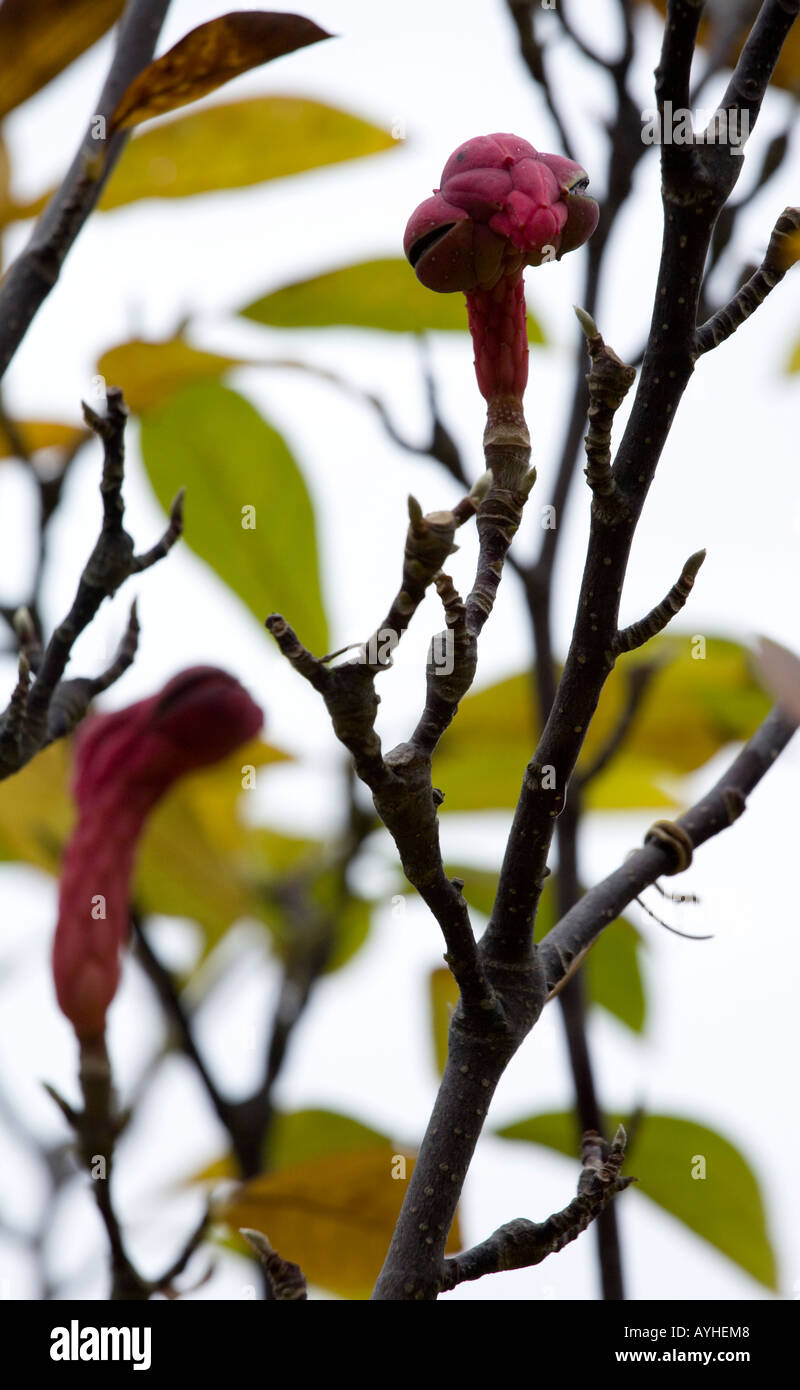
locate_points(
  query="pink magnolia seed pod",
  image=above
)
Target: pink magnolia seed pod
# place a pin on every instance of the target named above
(501, 206)
(124, 763)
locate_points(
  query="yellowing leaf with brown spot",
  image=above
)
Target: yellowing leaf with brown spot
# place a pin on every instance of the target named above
(334, 1216)
(149, 372)
(209, 56)
(39, 38)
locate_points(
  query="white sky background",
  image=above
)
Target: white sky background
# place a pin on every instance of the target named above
(721, 1032)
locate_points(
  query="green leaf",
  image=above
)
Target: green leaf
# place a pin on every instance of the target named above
(693, 708)
(724, 1207)
(232, 145)
(300, 1135)
(214, 442)
(353, 922)
(383, 294)
(613, 977)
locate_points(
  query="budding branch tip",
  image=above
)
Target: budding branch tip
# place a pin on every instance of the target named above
(586, 322)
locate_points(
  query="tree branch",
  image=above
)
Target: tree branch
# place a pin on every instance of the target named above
(524, 14)
(49, 707)
(567, 943)
(33, 274)
(782, 253)
(629, 638)
(287, 1280)
(521, 1244)
(637, 683)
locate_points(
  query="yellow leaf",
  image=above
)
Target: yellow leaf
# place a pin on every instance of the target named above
(443, 997)
(39, 38)
(41, 434)
(36, 810)
(232, 145)
(195, 852)
(149, 372)
(334, 1216)
(207, 57)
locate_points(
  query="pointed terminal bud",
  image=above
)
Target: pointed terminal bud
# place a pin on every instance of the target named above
(415, 516)
(586, 322)
(23, 625)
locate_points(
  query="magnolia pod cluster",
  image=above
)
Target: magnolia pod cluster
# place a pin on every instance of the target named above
(124, 763)
(501, 205)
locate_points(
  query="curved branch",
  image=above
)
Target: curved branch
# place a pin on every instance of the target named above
(782, 253)
(564, 947)
(521, 1244)
(629, 638)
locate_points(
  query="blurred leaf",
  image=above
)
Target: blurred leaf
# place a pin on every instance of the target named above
(300, 1135)
(480, 886)
(215, 443)
(787, 68)
(36, 810)
(333, 1215)
(278, 852)
(233, 145)
(443, 999)
(42, 37)
(296, 1136)
(352, 929)
(194, 859)
(793, 365)
(348, 915)
(724, 1207)
(780, 670)
(613, 976)
(150, 372)
(41, 434)
(194, 853)
(383, 294)
(692, 708)
(5, 180)
(209, 56)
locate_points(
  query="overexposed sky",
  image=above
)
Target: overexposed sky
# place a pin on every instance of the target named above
(720, 1041)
